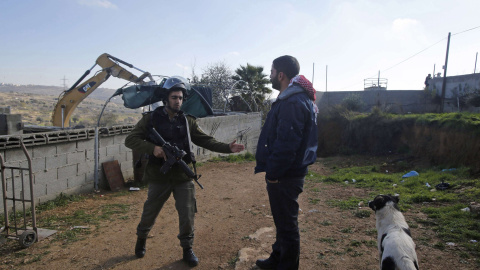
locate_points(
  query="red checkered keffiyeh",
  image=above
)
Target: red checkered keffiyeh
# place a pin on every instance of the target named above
(305, 84)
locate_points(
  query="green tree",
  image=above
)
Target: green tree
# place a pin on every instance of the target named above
(252, 85)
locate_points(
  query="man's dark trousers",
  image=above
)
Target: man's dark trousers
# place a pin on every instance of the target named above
(283, 197)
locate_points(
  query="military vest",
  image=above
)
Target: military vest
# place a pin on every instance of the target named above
(173, 131)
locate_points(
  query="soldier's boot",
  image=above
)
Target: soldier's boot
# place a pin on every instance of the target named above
(140, 247)
(189, 257)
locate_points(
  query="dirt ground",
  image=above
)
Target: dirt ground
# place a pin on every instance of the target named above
(234, 228)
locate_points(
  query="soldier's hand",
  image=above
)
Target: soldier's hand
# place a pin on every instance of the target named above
(159, 153)
(235, 147)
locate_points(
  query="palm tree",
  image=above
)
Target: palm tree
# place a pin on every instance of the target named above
(254, 87)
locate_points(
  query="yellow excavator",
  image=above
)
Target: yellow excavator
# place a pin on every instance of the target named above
(69, 99)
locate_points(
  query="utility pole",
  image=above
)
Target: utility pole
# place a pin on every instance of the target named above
(444, 84)
(326, 78)
(313, 74)
(64, 85)
(475, 69)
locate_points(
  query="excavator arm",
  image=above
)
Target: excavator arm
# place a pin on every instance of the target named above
(69, 99)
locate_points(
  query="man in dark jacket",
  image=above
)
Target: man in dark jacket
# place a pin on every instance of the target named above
(175, 128)
(286, 146)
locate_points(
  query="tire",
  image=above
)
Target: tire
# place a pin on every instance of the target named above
(27, 238)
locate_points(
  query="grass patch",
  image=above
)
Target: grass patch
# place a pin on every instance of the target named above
(247, 157)
(443, 208)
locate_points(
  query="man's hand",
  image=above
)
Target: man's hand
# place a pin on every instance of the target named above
(159, 153)
(235, 147)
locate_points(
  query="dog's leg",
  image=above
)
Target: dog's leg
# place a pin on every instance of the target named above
(388, 264)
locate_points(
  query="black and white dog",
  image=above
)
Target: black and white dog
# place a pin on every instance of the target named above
(395, 244)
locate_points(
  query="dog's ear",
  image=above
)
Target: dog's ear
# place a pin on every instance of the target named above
(396, 198)
(371, 204)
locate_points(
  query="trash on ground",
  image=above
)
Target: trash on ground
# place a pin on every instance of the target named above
(134, 189)
(410, 174)
(442, 186)
(450, 244)
(427, 185)
(80, 227)
(466, 209)
(473, 241)
(449, 170)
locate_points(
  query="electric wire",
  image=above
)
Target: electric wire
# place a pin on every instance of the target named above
(381, 71)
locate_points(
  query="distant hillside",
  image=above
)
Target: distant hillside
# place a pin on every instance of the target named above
(100, 93)
(36, 102)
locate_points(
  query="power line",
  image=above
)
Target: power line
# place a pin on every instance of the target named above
(466, 30)
(417, 53)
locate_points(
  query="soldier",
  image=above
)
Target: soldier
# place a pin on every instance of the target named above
(174, 126)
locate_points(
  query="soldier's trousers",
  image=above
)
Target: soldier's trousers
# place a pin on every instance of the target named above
(185, 203)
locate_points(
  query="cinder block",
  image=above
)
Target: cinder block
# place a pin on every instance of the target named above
(125, 165)
(129, 156)
(90, 154)
(80, 189)
(106, 141)
(56, 187)
(67, 171)
(41, 178)
(102, 152)
(75, 181)
(85, 167)
(120, 139)
(55, 161)
(121, 157)
(106, 159)
(39, 191)
(85, 145)
(44, 151)
(66, 147)
(76, 157)
(38, 164)
(128, 174)
(90, 175)
(113, 150)
(124, 149)
(13, 155)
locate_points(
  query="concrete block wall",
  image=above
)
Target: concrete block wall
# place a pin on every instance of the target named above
(64, 161)
(396, 101)
(245, 128)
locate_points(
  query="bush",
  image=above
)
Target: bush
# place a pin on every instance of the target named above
(353, 102)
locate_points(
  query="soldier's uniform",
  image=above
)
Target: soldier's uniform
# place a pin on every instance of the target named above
(175, 181)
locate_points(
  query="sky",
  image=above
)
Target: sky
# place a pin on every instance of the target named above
(338, 43)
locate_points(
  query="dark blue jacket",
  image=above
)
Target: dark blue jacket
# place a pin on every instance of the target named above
(288, 141)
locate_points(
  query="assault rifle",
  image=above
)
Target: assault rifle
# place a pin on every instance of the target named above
(174, 156)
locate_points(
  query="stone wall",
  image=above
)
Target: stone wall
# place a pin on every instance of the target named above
(64, 161)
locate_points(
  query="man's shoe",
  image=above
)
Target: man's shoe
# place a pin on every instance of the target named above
(140, 247)
(189, 257)
(266, 263)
